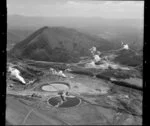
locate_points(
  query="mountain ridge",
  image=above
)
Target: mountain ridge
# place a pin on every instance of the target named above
(54, 43)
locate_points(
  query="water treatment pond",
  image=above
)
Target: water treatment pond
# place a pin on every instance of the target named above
(56, 86)
(69, 102)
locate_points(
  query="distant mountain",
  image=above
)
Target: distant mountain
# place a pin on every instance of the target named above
(128, 57)
(58, 44)
(16, 35)
(115, 30)
(87, 23)
(11, 39)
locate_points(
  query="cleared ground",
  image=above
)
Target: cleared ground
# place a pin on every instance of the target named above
(102, 102)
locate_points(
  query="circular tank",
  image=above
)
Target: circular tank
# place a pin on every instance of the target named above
(56, 86)
(70, 101)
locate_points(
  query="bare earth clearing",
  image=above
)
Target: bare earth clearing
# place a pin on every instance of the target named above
(102, 101)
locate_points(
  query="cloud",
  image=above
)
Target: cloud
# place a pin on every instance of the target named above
(86, 8)
(72, 3)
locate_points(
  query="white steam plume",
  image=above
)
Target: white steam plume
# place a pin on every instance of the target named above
(16, 73)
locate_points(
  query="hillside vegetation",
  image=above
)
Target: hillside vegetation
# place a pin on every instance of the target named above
(58, 44)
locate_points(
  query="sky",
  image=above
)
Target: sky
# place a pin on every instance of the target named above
(76, 8)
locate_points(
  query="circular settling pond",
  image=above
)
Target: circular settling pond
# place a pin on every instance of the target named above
(69, 102)
(56, 86)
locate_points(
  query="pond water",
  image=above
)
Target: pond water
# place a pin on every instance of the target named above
(70, 102)
(55, 87)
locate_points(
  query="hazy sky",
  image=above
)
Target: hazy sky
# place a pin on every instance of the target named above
(77, 8)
